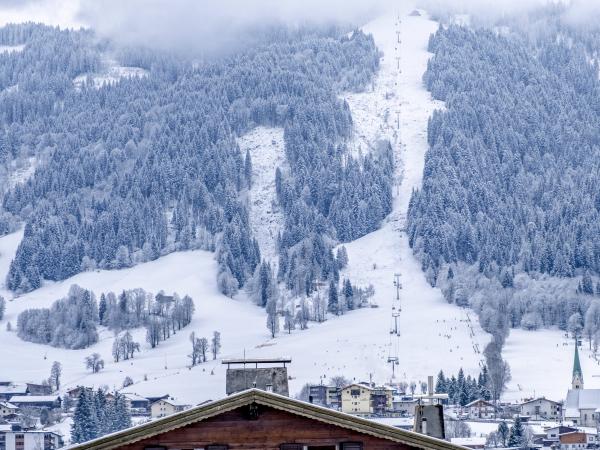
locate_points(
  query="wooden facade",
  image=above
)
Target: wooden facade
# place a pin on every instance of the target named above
(254, 420)
(271, 429)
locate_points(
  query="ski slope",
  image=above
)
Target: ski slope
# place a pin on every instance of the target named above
(433, 334)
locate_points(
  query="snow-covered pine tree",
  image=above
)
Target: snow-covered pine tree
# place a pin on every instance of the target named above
(85, 421)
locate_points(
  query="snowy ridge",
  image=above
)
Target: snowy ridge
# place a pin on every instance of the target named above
(267, 152)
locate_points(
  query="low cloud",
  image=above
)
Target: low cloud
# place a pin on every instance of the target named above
(212, 26)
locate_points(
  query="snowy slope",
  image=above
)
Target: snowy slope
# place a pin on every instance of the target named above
(267, 152)
(541, 363)
(192, 273)
(434, 335)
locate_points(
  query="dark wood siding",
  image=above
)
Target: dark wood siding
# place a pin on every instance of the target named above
(262, 428)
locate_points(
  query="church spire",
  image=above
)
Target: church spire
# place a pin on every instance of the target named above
(577, 372)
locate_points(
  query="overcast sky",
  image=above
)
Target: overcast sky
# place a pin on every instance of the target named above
(210, 24)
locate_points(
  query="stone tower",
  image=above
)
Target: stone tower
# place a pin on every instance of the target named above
(577, 372)
(267, 374)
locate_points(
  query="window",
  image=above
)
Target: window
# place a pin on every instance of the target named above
(351, 446)
(217, 447)
(19, 442)
(291, 447)
(355, 392)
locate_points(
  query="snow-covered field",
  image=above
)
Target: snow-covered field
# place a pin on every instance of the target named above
(267, 152)
(193, 273)
(111, 73)
(11, 48)
(541, 364)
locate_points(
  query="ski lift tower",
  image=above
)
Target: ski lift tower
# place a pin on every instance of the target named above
(393, 357)
(396, 306)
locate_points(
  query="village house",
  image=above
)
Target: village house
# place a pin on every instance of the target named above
(255, 419)
(39, 389)
(479, 409)
(9, 390)
(137, 404)
(7, 409)
(404, 404)
(166, 407)
(36, 401)
(75, 392)
(356, 399)
(541, 408)
(323, 395)
(29, 440)
(553, 434)
(362, 399)
(576, 440)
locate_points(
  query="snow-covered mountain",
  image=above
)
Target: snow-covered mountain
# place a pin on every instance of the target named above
(434, 335)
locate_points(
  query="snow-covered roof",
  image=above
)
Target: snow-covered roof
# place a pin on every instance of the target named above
(18, 388)
(34, 398)
(172, 401)
(476, 402)
(466, 441)
(8, 405)
(578, 399)
(539, 399)
(134, 397)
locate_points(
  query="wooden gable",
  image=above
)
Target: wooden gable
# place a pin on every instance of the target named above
(255, 420)
(261, 427)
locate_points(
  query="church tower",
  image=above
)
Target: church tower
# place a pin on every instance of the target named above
(577, 373)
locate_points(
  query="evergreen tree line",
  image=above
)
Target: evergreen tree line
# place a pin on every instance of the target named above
(463, 390)
(133, 170)
(507, 218)
(71, 322)
(96, 415)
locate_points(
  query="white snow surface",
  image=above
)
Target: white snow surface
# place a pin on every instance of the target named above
(267, 152)
(434, 334)
(111, 73)
(541, 364)
(11, 48)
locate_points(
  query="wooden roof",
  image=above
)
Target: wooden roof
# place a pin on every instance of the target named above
(272, 400)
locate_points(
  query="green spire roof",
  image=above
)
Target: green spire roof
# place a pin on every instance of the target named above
(577, 364)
